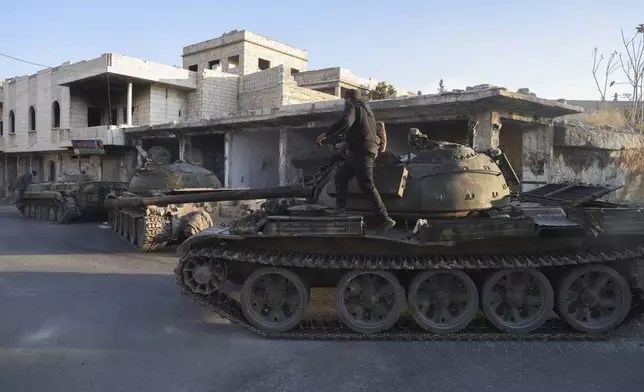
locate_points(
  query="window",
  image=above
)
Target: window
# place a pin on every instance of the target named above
(263, 64)
(12, 122)
(55, 115)
(94, 116)
(194, 67)
(233, 61)
(294, 71)
(1, 129)
(32, 118)
(213, 64)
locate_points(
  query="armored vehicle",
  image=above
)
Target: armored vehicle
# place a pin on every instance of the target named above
(76, 196)
(156, 225)
(466, 259)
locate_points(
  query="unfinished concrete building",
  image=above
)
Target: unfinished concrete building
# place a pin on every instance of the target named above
(257, 147)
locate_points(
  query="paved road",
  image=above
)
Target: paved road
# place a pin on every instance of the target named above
(80, 311)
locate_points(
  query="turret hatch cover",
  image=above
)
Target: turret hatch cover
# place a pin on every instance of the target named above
(570, 194)
(159, 155)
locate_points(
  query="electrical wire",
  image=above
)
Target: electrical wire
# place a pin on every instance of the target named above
(25, 61)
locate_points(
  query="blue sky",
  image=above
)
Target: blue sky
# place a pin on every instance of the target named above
(544, 45)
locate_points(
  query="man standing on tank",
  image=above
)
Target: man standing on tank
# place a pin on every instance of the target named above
(359, 125)
(22, 183)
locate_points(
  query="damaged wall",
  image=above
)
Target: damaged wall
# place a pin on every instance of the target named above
(599, 156)
(536, 158)
(254, 158)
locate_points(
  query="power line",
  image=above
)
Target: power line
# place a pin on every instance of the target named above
(24, 61)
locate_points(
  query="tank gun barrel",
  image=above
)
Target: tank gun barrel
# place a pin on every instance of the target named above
(278, 192)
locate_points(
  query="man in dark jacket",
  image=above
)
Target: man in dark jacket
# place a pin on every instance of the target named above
(359, 125)
(23, 182)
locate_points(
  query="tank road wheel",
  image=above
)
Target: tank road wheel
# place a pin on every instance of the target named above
(38, 212)
(131, 230)
(52, 213)
(593, 299)
(44, 213)
(203, 275)
(443, 301)
(117, 223)
(517, 300)
(122, 225)
(32, 211)
(274, 299)
(369, 301)
(60, 214)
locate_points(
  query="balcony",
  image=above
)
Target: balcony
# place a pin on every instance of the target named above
(108, 134)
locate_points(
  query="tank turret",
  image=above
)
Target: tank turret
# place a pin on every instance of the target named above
(463, 244)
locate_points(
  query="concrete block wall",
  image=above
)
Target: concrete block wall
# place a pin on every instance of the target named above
(273, 88)
(201, 59)
(250, 47)
(256, 159)
(167, 104)
(292, 94)
(216, 95)
(600, 157)
(275, 55)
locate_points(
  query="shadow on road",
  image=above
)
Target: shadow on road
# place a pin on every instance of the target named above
(21, 236)
(101, 311)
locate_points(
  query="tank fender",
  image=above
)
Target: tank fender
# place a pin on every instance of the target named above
(44, 195)
(195, 222)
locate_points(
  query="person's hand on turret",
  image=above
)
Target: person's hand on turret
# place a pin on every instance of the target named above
(321, 138)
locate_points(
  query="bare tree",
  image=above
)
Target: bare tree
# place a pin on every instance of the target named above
(633, 66)
(611, 66)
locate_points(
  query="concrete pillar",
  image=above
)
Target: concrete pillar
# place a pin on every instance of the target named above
(284, 159)
(129, 104)
(228, 140)
(536, 157)
(182, 147)
(5, 180)
(486, 126)
(338, 91)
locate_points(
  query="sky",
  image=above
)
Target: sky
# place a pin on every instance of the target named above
(544, 45)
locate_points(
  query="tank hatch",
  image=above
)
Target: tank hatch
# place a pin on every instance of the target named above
(568, 194)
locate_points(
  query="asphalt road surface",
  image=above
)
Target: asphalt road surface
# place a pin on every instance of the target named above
(81, 311)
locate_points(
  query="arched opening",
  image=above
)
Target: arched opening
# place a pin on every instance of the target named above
(55, 115)
(32, 118)
(51, 171)
(12, 122)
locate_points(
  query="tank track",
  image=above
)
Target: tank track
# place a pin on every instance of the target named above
(554, 329)
(156, 227)
(71, 210)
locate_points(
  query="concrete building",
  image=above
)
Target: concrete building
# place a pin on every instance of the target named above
(257, 147)
(96, 100)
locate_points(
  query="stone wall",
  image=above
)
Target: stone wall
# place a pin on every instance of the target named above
(600, 156)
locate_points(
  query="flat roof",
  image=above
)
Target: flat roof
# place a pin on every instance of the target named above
(423, 108)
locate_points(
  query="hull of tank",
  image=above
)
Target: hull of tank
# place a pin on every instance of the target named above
(512, 273)
(67, 202)
(155, 227)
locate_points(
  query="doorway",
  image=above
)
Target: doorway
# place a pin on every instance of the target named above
(51, 171)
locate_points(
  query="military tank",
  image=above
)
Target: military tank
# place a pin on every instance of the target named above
(75, 196)
(156, 225)
(467, 259)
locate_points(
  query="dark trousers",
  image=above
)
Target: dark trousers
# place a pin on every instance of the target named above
(360, 165)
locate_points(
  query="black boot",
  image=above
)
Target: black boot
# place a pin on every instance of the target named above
(384, 224)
